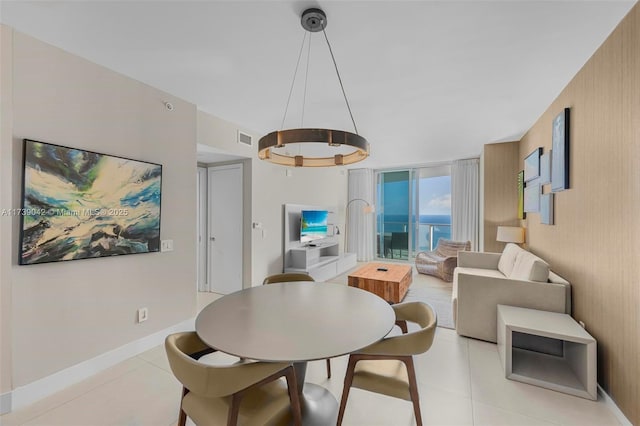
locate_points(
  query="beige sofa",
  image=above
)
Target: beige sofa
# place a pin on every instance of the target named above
(514, 277)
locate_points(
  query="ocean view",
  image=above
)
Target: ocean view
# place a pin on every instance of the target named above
(400, 223)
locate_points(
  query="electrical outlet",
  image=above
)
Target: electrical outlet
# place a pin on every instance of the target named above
(143, 314)
(166, 245)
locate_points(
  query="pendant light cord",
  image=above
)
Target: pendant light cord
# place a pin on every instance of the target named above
(293, 81)
(340, 80)
(295, 73)
(306, 78)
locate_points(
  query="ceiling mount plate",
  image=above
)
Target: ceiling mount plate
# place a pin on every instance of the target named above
(313, 20)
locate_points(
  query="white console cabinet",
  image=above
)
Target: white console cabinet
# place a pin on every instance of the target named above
(321, 261)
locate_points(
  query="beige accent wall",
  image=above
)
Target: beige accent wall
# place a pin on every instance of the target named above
(61, 314)
(271, 189)
(500, 186)
(595, 242)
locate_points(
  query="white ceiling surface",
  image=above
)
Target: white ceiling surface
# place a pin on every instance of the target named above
(427, 81)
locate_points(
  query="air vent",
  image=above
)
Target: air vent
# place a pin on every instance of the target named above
(244, 138)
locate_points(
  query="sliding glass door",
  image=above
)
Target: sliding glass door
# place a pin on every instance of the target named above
(392, 220)
(413, 210)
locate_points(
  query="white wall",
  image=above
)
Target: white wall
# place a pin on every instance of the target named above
(271, 189)
(6, 95)
(64, 313)
(75, 311)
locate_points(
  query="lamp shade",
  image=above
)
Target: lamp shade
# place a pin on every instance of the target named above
(510, 234)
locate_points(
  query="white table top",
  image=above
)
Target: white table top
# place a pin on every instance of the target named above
(542, 323)
(297, 321)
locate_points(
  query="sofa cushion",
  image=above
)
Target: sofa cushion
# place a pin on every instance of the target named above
(478, 271)
(472, 271)
(508, 259)
(529, 267)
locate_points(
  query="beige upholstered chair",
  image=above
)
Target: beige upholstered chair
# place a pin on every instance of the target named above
(216, 395)
(289, 277)
(443, 260)
(387, 367)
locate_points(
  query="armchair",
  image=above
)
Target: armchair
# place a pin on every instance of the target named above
(443, 260)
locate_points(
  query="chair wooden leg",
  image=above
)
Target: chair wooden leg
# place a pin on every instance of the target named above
(403, 326)
(348, 379)
(413, 388)
(328, 368)
(234, 409)
(182, 419)
(292, 385)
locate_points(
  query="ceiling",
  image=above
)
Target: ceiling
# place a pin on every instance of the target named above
(427, 81)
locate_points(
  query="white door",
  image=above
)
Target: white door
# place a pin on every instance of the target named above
(225, 228)
(203, 237)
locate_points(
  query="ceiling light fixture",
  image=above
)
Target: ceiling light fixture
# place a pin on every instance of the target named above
(341, 148)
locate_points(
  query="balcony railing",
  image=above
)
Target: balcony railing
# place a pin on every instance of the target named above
(432, 233)
(428, 236)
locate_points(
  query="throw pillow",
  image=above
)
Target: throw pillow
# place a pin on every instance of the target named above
(508, 259)
(529, 267)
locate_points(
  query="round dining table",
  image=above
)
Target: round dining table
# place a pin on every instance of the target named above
(297, 322)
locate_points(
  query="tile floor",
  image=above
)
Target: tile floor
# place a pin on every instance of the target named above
(460, 383)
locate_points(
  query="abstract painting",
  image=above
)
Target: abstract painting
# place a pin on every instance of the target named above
(546, 209)
(532, 197)
(560, 152)
(545, 168)
(79, 204)
(532, 165)
(521, 213)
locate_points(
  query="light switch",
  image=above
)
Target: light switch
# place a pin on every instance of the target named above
(166, 245)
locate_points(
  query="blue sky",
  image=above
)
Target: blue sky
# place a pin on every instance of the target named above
(435, 197)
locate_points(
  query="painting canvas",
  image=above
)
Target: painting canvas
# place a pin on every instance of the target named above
(546, 209)
(532, 165)
(545, 168)
(521, 213)
(560, 152)
(532, 197)
(80, 204)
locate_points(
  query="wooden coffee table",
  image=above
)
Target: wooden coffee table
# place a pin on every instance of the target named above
(391, 285)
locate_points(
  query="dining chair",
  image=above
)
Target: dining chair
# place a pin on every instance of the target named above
(217, 395)
(386, 367)
(289, 277)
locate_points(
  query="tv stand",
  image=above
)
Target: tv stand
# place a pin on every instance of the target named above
(319, 258)
(322, 262)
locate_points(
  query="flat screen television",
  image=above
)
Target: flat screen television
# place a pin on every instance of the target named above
(313, 225)
(79, 204)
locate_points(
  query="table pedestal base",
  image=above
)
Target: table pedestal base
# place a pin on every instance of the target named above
(319, 406)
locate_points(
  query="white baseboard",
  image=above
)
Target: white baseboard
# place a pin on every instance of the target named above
(5, 403)
(614, 408)
(32, 392)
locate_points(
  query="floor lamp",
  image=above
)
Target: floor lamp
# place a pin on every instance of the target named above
(366, 209)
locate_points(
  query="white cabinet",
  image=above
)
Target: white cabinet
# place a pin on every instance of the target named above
(322, 261)
(305, 257)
